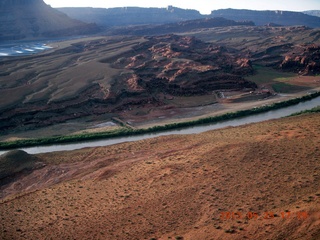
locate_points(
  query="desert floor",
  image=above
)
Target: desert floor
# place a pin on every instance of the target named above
(258, 181)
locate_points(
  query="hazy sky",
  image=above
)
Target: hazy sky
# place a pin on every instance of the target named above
(204, 6)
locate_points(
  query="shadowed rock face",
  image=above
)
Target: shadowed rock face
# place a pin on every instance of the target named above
(182, 66)
(32, 19)
(303, 60)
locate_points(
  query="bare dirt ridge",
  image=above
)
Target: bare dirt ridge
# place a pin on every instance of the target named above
(176, 186)
(58, 86)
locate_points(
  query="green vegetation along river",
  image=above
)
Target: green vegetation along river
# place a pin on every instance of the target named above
(242, 117)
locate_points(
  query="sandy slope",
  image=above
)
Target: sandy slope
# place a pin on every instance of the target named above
(176, 186)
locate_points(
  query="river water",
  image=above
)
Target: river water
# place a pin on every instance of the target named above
(21, 49)
(274, 114)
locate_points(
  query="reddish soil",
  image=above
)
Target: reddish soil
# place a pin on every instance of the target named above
(176, 187)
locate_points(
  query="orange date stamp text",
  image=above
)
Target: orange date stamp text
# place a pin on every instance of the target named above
(264, 215)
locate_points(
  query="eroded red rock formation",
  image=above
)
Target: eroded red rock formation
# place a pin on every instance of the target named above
(305, 60)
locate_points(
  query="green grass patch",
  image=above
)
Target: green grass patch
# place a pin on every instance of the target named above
(128, 132)
(278, 80)
(266, 75)
(281, 87)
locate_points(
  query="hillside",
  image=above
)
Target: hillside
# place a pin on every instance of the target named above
(176, 187)
(33, 19)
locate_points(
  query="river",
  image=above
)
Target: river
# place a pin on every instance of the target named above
(273, 114)
(21, 49)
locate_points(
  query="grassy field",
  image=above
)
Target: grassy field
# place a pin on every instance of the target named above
(281, 87)
(193, 101)
(280, 82)
(266, 75)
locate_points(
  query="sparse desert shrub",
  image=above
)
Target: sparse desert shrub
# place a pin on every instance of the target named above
(230, 231)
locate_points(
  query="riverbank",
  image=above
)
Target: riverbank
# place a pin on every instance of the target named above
(123, 132)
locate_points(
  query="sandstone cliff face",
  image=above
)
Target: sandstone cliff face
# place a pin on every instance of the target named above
(32, 19)
(304, 60)
(184, 26)
(131, 15)
(285, 18)
(136, 16)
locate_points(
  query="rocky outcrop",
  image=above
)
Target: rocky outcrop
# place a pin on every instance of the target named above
(33, 19)
(182, 66)
(305, 60)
